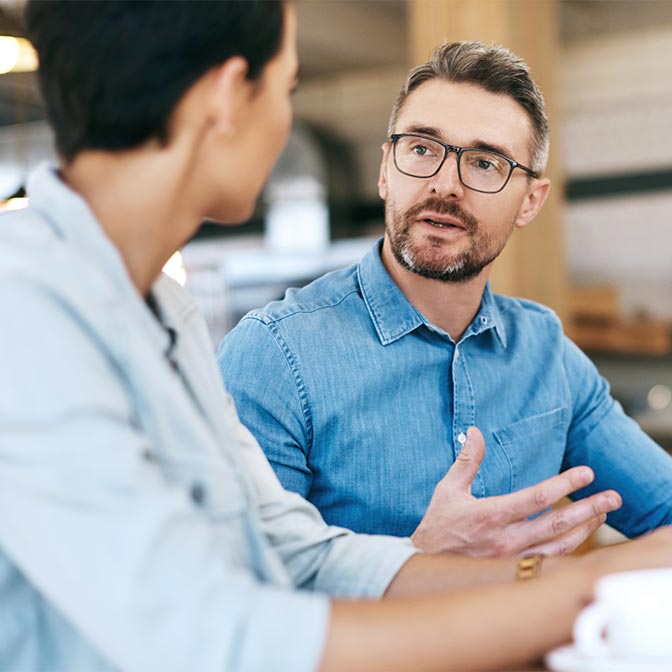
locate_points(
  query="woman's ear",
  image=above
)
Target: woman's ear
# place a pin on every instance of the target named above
(228, 92)
(535, 197)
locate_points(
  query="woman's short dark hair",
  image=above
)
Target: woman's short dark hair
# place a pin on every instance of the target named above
(112, 71)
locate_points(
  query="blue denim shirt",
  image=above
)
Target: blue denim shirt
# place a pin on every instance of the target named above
(141, 527)
(361, 404)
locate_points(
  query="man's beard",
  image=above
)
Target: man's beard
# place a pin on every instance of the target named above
(429, 258)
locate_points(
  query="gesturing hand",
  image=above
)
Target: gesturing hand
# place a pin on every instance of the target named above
(458, 522)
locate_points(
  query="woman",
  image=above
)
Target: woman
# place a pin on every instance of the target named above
(140, 526)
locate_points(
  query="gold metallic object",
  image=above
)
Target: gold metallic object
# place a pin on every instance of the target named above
(529, 567)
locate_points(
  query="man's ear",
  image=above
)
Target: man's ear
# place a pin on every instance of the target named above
(382, 176)
(229, 91)
(534, 198)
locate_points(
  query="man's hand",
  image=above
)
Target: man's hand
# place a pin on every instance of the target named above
(458, 522)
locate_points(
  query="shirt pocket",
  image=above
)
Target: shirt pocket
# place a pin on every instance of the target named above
(534, 446)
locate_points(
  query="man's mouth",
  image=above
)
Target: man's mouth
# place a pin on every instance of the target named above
(442, 224)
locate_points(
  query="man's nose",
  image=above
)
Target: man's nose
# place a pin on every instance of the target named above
(446, 182)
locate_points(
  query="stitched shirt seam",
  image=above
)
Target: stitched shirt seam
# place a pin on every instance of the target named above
(292, 363)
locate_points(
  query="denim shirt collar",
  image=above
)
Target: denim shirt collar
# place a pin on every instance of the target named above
(488, 317)
(394, 317)
(71, 219)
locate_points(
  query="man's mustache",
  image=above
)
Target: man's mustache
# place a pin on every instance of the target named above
(442, 207)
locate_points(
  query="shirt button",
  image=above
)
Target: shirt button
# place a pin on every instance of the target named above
(461, 438)
(457, 352)
(484, 319)
(198, 493)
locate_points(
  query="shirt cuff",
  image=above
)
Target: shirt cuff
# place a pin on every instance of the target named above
(366, 565)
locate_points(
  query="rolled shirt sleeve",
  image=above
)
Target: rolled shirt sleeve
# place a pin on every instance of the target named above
(277, 412)
(622, 456)
(320, 557)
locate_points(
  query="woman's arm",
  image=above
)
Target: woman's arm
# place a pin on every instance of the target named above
(485, 628)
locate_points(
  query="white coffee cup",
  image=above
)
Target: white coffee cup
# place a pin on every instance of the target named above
(631, 618)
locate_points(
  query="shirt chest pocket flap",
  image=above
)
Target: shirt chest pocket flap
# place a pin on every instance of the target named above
(534, 446)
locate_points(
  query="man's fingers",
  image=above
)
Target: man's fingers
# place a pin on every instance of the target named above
(557, 524)
(570, 541)
(538, 497)
(462, 473)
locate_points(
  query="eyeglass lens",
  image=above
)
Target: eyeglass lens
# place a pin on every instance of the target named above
(479, 169)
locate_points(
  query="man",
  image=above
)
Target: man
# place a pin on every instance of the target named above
(377, 371)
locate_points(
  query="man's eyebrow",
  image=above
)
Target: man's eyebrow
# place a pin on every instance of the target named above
(432, 132)
(481, 144)
(425, 130)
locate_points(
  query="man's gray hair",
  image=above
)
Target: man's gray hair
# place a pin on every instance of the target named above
(495, 69)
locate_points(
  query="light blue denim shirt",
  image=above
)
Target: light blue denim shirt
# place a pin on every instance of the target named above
(141, 527)
(361, 405)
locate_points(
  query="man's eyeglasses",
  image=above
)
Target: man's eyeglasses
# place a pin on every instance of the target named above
(478, 169)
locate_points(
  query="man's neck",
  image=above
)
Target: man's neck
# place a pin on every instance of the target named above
(450, 306)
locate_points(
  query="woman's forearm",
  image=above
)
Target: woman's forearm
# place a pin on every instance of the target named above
(486, 628)
(426, 574)
(459, 627)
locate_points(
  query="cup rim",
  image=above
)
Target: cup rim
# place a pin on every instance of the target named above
(639, 580)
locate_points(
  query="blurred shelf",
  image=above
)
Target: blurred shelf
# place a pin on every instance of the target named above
(595, 324)
(653, 338)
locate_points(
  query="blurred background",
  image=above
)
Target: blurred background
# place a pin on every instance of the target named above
(600, 253)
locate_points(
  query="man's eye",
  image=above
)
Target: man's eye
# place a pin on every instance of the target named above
(420, 150)
(485, 164)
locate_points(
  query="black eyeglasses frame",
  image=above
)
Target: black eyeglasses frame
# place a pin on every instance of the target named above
(447, 149)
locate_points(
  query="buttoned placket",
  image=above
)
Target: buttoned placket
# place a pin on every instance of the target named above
(463, 398)
(464, 404)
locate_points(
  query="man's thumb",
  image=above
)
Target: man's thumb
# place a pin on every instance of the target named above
(468, 460)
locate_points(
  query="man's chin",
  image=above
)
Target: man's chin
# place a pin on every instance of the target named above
(452, 274)
(433, 260)
(445, 269)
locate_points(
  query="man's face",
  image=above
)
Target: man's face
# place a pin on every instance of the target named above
(435, 226)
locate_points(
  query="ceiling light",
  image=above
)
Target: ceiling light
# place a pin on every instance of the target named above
(16, 55)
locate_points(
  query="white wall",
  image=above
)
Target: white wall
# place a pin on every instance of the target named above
(617, 100)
